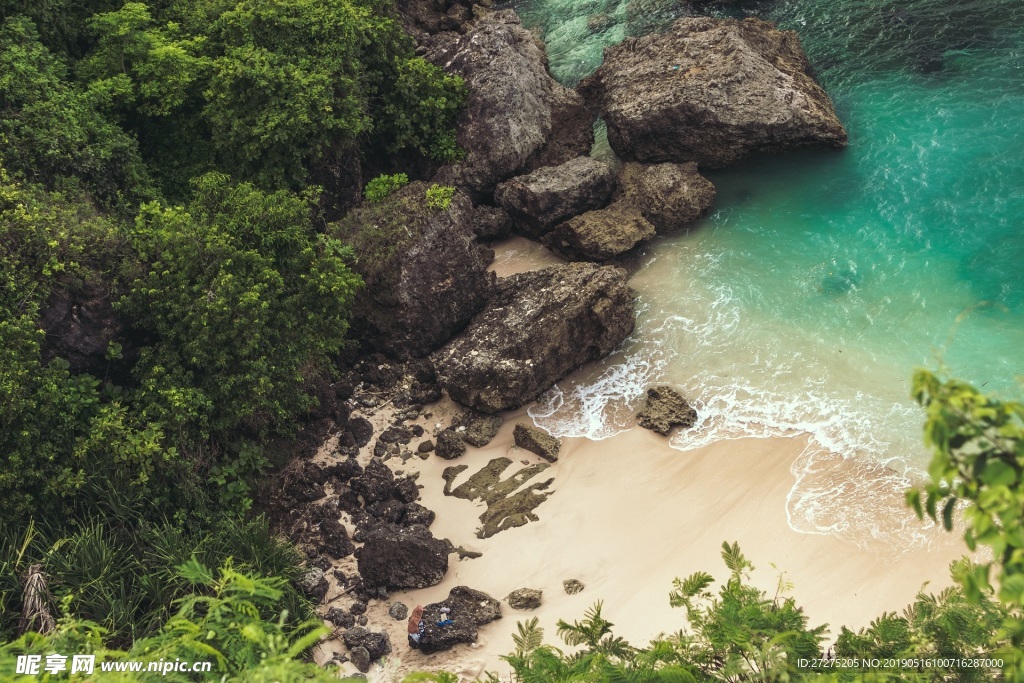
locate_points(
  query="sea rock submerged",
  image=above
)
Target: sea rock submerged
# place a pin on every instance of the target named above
(425, 273)
(541, 199)
(517, 117)
(600, 235)
(711, 91)
(664, 409)
(670, 196)
(538, 327)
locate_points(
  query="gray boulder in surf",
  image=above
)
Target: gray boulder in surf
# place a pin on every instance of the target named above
(537, 327)
(711, 91)
(517, 117)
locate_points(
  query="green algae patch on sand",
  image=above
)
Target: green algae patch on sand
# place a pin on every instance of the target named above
(508, 503)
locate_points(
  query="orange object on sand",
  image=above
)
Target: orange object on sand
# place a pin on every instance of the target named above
(414, 619)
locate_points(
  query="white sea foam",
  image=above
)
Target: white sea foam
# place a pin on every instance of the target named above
(745, 381)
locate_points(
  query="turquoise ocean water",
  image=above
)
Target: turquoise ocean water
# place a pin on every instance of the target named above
(804, 302)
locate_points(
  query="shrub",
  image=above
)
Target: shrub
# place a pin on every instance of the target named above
(440, 196)
(380, 187)
(246, 300)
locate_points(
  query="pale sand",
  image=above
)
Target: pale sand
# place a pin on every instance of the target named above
(629, 514)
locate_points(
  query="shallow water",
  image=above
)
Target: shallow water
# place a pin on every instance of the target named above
(804, 302)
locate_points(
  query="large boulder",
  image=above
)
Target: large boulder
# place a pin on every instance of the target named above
(517, 117)
(600, 235)
(425, 274)
(711, 91)
(468, 610)
(538, 327)
(670, 196)
(396, 557)
(539, 200)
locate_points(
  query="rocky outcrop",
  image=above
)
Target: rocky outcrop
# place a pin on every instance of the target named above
(468, 610)
(517, 117)
(480, 430)
(711, 91)
(491, 223)
(450, 444)
(524, 598)
(540, 200)
(670, 196)
(536, 441)
(664, 409)
(538, 327)
(600, 235)
(377, 482)
(397, 557)
(425, 274)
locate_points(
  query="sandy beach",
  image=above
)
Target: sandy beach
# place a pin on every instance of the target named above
(629, 514)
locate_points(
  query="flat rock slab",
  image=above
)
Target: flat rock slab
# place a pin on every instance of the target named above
(711, 91)
(538, 327)
(509, 502)
(540, 200)
(600, 235)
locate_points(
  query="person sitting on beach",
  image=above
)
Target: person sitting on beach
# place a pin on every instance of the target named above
(416, 627)
(445, 618)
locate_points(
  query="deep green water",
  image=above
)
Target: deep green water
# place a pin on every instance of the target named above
(821, 280)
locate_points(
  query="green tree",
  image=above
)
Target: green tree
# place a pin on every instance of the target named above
(247, 300)
(58, 134)
(277, 88)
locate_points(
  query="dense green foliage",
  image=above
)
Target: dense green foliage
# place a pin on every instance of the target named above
(240, 302)
(243, 294)
(235, 620)
(158, 168)
(268, 92)
(439, 196)
(56, 131)
(380, 187)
